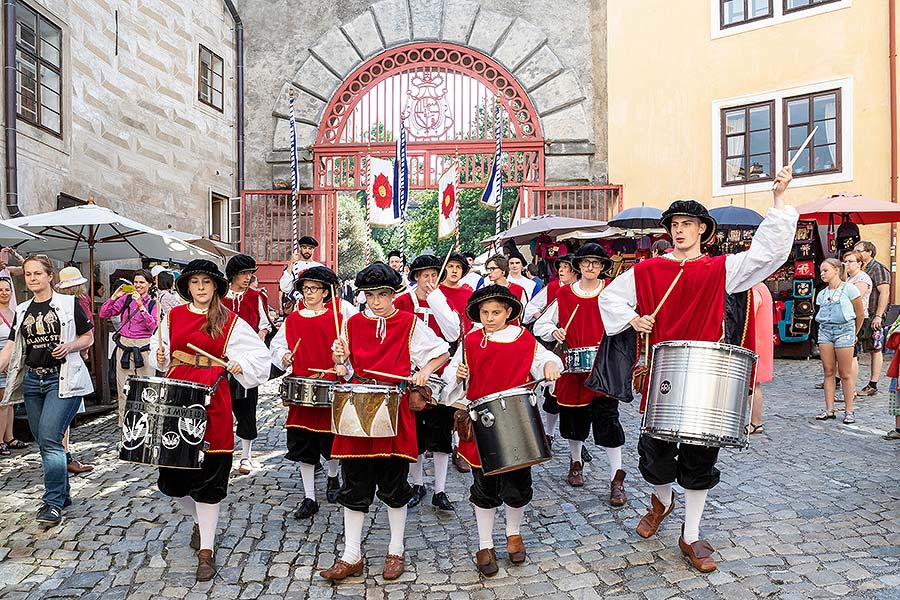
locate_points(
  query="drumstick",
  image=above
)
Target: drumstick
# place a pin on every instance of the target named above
(158, 329)
(569, 322)
(462, 348)
(665, 296)
(212, 358)
(389, 375)
(800, 150)
(443, 266)
(294, 351)
(322, 370)
(334, 306)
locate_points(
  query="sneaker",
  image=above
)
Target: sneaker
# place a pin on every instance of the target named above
(849, 418)
(49, 515)
(868, 390)
(892, 434)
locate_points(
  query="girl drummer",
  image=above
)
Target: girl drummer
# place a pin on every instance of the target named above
(208, 325)
(487, 368)
(308, 428)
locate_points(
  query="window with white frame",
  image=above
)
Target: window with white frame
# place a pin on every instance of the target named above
(736, 12)
(730, 17)
(748, 143)
(225, 218)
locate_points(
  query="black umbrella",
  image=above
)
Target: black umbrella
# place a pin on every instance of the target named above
(639, 217)
(736, 216)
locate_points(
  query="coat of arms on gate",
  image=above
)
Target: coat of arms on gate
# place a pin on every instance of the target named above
(428, 106)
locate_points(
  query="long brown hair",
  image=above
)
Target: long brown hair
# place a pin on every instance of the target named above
(216, 317)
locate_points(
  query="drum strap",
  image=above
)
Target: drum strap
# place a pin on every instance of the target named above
(180, 357)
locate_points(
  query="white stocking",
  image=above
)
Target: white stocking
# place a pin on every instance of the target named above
(397, 521)
(694, 502)
(663, 493)
(333, 466)
(441, 462)
(615, 460)
(575, 450)
(245, 448)
(190, 507)
(550, 424)
(353, 524)
(484, 518)
(208, 519)
(308, 475)
(514, 518)
(418, 470)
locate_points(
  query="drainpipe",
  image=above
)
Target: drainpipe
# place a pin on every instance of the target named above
(9, 108)
(239, 76)
(892, 54)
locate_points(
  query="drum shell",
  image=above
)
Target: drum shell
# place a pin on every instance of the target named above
(699, 393)
(305, 391)
(164, 422)
(580, 360)
(369, 411)
(509, 431)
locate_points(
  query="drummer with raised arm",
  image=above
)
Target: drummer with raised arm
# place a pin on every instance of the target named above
(484, 365)
(380, 344)
(693, 310)
(208, 326)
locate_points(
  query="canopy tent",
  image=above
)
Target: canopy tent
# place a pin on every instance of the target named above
(858, 208)
(550, 225)
(222, 250)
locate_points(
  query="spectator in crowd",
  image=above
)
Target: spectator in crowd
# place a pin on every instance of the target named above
(531, 272)
(852, 261)
(873, 338)
(840, 316)
(8, 271)
(7, 313)
(137, 311)
(765, 349)
(516, 264)
(892, 341)
(73, 283)
(166, 298)
(659, 248)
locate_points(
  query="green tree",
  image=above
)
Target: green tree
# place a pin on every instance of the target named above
(352, 235)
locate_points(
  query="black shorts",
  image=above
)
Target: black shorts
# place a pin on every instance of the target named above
(243, 405)
(693, 467)
(434, 429)
(550, 406)
(208, 484)
(601, 415)
(307, 446)
(512, 488)
(366, 477)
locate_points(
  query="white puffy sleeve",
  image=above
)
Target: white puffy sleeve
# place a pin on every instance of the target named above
(425, 345)
(447, 318)
(618, 302)
(769, 249)
(279, 347)
(154, 345)
(246, 349)
(547, 323)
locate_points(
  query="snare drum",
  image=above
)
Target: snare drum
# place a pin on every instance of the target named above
(699, 394)
(369, 411)
(164, 422)
(580, 360)
(509, 432)
(306, 391)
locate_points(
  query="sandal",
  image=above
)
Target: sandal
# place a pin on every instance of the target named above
(825, 414)
(849, 418)
(4, 450)
(15, 444)
(751, 428)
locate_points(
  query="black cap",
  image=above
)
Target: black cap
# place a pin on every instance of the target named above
(591, 250)
(308, 240)
(689, 208)
(493, 292)
(201, 266)
(322, 275)
(462, 260)
(379, 276)
(423, 262)
(394, 253)
(239, 263)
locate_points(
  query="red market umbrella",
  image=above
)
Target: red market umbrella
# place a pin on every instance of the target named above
(859, 209)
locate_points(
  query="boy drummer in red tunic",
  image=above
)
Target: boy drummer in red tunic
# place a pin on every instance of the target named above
(489, 368)
(575, 320)
(205, 323)
(249, 305)
(312, 330)
(694, 310)
(386, 340)
(433, 426)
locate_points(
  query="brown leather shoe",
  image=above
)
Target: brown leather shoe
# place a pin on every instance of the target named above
(206, 565)
(393, 567)
(486, 561)
(575, 477)
(617, 495)
(195, 537)
(76, 468)
(460, 463)
(698, 553)
(655, 514)
(341, 570)
(516, 549)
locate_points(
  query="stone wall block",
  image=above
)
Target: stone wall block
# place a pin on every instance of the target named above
(458, 17)
(393, 20)
(314, 77)
(569, 124)
(523, 38)
(567, 169)
(426, 19)
(489, 26)
(559, 91)
(306, 135)
(539, 67)
(361, 29)
(336, 52)
(306, 107)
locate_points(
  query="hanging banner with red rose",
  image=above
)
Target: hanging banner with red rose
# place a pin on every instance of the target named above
(383, 211)
(448, 207)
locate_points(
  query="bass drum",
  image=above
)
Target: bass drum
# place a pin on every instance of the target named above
(164, 422)
(509, 432)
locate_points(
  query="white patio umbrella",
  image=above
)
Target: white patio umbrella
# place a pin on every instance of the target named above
(544, 225)
(91, 233)
(11, 234)
(222, 250)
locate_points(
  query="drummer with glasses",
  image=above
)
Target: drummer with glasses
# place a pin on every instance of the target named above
(693, 310)
(481, 368)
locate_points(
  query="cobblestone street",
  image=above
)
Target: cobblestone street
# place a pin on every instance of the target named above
(811, 510)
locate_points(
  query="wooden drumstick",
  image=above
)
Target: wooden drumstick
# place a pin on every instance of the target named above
(158, 329)
(569, 322)
(443, 266)
(388, 375)
(294, 351)
(462, 348)
(799, 151)
(334, 305)
(213, 359)
(322, 370)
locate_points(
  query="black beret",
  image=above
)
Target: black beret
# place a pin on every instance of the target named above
(308, 240)
(493, 292)
(591, 250)
(462, 260)
(396, 253)
(201, 266)
(238, 263)
(423, 262)
(689, 208)
(322, 275)
(379, 276)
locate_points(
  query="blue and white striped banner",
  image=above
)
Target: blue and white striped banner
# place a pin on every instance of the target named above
(493, 191)
(295, 176)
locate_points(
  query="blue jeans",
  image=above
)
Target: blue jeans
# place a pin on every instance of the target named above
(842, 335)
(48, 418)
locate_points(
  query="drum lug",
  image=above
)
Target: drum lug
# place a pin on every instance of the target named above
(502, 405)
(533, 399)
(487, 418)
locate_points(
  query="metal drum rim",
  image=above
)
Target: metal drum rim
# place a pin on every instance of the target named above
(365, 388)
(313, 380)
(516, 391)
(704, 344)
(170, 380)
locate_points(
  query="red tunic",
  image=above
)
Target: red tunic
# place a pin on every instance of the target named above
(552, 290)
(492, 371)
(316, 335)
(586, 329)
(404, 302)
(246, 306)
(185, 328)
(392, 355)
(458, 298)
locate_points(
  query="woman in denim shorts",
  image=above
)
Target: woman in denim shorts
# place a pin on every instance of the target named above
(840, 315)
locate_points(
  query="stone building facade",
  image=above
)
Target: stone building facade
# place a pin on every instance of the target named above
(135, 134)
(555, 52)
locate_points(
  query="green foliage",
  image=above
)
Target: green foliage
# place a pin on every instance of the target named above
(352, 236)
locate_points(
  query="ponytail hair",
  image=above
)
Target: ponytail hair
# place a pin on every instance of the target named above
(216, 317)
(837, 266)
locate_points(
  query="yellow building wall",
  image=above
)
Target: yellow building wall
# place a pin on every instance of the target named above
(666, 71)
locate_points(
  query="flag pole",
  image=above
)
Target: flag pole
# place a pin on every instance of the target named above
(368, 248)
(498, 173)
(295, 184)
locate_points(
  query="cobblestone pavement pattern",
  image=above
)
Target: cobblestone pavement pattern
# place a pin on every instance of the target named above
(811, 510)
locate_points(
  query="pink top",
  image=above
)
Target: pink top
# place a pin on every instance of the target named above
(136, 323)
(765, 342)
